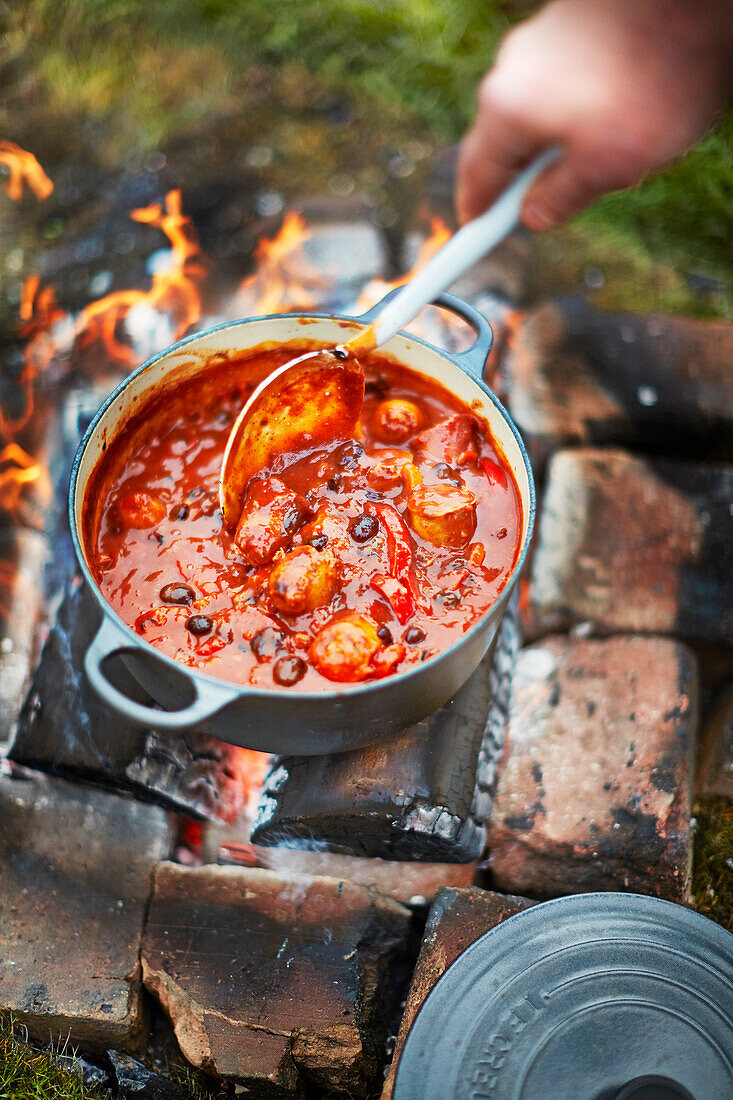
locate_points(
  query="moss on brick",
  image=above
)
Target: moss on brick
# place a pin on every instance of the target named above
(712, 883)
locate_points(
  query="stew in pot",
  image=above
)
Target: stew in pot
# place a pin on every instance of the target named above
(348, 563)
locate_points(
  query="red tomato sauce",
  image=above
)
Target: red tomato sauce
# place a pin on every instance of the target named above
(350, 563)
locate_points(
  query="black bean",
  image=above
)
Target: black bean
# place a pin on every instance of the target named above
(318, 542)
(288, 670)
(266, 643)
(385, 635)
(179, 511)
(350, 456)
(177, 593)
(292, 520)
(377, 387)
(364, 527)
(335, 483)
(414, 635)
(200, 625)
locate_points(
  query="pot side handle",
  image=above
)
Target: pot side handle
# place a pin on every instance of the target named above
(474, 358)
(209, 698)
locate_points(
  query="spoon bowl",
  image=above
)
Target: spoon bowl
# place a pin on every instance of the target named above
(317, 398)
(309, 401)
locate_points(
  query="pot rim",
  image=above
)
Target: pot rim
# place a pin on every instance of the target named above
(346, 690)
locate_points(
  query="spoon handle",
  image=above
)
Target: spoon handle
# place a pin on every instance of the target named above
(467, 246)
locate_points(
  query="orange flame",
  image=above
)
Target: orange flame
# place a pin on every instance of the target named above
(506, 327)
(284, 279)
(377, 288)
(18, 470)
(175, 292)
(247, 769)
(24, 169)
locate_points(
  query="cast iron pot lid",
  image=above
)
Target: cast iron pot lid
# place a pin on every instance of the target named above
(590, 997)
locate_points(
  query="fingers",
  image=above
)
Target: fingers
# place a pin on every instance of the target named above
(499, 145)
(563, 190)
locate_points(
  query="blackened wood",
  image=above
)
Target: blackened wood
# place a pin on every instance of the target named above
(423, 795)
(65, 728)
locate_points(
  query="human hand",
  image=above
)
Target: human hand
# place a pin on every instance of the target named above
(623, 86)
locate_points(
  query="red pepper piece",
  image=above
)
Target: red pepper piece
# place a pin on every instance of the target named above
(396, 593)
(209, 647)
(399, 547)
(494, 472)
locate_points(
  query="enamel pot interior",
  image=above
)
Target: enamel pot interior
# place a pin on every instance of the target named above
(291, 721)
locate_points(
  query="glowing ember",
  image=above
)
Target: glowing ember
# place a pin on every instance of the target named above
(284, 280)
(23, 169)
(174, 292)
(247, 770)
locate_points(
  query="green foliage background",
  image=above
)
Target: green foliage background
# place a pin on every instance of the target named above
(146, 71)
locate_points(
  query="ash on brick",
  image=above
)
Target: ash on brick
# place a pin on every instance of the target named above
(456, 920)
(424, 795)
(579, 376)
(612, 809)
(22, 556)
(65, 728)
(75, 877)
(638, 545)
(276, 981)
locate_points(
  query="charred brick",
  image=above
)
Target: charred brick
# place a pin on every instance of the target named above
(616, 790)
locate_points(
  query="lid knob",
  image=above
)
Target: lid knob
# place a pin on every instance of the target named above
(653, 1087)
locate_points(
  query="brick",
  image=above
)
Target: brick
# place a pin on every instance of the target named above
(456, 920)
(276, 980)
(715, 763)
(22, 557)
(580, 376)
(75, 877)
(637, 545)
(407, 882)
(402, 880)
(594, 791)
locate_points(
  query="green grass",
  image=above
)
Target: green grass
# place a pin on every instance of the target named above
(30, 1074)
(712, 884)
(143, 73)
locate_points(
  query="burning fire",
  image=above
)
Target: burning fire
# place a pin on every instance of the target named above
(18, 470)
(175, 291)
(23, 169)
(284, 280)
(439, 235)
